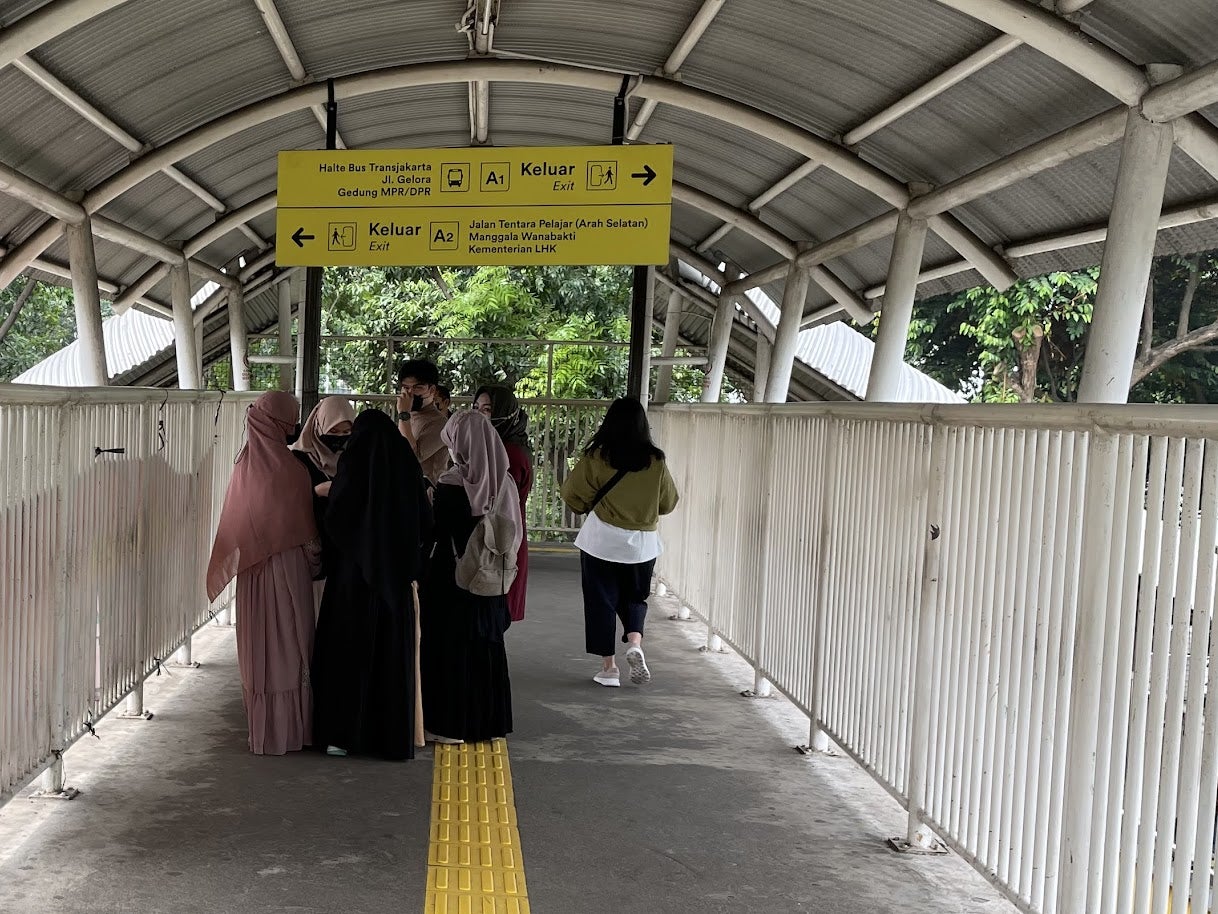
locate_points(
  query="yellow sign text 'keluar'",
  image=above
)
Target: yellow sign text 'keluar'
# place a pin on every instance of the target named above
(458, 207)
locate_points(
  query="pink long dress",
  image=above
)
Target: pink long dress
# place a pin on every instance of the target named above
(275, 625)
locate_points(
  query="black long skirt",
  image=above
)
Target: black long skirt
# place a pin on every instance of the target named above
(363, 669)
(467, 693)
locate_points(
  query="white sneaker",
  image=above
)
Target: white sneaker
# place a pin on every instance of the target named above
(639, 673)
(610, 678)
(442, 740)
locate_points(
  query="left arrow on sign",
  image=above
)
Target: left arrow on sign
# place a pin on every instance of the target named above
(300, 237)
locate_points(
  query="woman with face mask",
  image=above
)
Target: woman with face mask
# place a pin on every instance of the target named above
(267, 540)
(322, 439)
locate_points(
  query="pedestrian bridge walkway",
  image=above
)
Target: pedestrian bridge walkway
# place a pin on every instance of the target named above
(1002, 617)
(676, 797)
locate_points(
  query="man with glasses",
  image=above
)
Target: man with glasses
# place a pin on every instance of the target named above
(420, 419)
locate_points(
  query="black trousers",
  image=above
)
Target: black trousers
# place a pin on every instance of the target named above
(613, 591)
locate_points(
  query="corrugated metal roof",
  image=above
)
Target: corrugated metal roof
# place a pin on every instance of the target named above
(131, 338)
(164, 67)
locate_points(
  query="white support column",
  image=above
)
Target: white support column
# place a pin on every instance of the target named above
(786, 338)
(1125, 271)
(761, 367)
(721, 335)
(88, 304)
(185, 340)
(238, 341)
(286, 372)
(672, 334)
(889, 355)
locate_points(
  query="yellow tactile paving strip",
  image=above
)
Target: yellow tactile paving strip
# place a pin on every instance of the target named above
(474, 863)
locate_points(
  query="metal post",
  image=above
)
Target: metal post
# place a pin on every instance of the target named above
(309, 341)
(1125, 271)
(648, 321)
(88, 304)
(668, 349)
(761, 367)
(286, 372)
(640, 332)
(238, 340)
(135, 709)
(786, 338)
(761, 685)
(818, 740)
(185, 340)
(918, 837)
(1087, 700)
(308, 337)
(721, 336)
(889, 355)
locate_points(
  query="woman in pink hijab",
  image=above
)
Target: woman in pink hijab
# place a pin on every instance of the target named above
(467, 695)
(267, 539)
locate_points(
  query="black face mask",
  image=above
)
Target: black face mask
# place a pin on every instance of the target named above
(334, 442)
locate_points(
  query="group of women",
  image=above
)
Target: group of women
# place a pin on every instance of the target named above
(353, 633)
(395, 644)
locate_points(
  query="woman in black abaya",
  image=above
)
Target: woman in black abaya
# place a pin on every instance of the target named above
(466, 689)
(364, 661)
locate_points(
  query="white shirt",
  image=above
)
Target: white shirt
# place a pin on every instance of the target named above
(615, 544)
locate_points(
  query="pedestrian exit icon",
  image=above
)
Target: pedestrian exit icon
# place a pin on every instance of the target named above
(341, 236)
(602, 175)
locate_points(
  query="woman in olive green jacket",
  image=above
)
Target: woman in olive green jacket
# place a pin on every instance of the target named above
(622, 483)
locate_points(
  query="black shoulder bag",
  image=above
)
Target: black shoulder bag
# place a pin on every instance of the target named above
(605, 489)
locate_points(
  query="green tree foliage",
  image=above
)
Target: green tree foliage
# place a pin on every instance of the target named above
(1029, 343)
(45, 325)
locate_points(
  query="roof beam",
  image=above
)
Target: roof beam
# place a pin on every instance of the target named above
(1182, 95)
(832, 155)
(1060, 41)
(291, 59)
(672, 66)
(47, 22)
(107, 287)
(1177, 216)
(777, 242)
(933, 88)
(1066, 44)
(478, 24)
(954, 75)
(99, 119)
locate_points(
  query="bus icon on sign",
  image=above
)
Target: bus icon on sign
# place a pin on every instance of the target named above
(454, 177)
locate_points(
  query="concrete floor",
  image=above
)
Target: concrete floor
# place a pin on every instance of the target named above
(677, 797)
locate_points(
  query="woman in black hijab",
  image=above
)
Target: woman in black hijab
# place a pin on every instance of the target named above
(364, 662)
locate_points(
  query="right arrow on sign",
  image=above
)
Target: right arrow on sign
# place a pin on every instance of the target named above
(647, 174)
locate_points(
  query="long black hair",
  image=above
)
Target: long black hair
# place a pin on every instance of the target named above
(624, 438)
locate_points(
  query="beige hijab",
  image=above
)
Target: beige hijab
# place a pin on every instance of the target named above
(327, 415)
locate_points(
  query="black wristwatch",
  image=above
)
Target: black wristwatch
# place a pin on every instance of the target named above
(403, 417)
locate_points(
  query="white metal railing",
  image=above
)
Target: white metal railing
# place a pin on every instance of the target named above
(1005, 614)
(108, 504)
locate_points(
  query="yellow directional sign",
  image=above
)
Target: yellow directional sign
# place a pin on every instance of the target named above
(476, 206)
